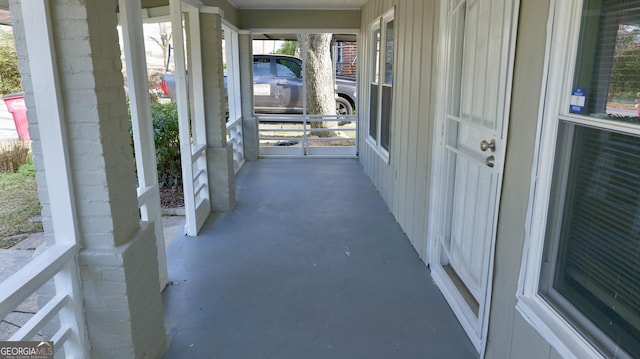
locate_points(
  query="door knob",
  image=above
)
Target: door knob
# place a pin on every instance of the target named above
(490, 161)
(484, 145)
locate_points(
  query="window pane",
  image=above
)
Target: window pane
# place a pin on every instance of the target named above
(373, 112)
(288, 68)
(388, 64)
(385, 118)
(597, 251)
(608, 65)
(262, 68)
(375, 60)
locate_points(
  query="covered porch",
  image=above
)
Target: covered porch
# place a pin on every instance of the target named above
(295, 257)
(309, 263)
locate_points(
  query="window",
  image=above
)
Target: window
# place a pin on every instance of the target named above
(288, 68)
(581, 283)
(262, 67)
(381, 83)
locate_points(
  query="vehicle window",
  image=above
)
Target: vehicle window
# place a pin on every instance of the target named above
(261, 67)
(287, 68)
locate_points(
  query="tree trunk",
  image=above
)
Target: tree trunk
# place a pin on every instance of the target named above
(315, 50)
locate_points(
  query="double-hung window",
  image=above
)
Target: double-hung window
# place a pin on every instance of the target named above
(381, 83)
(581, 277)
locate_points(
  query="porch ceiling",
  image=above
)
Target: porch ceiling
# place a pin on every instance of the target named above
(293, 37)
(299, 4)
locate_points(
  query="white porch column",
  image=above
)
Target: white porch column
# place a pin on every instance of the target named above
(191, 113)
(142, 125)
(219, 153)
(249, 123)
(33, 32)
(118, 260)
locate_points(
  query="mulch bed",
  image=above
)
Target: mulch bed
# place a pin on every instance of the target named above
(171, 197)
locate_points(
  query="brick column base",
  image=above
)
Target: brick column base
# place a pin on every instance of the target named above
(117, 283)
(221, 178)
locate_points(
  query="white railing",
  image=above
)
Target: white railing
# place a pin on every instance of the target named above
(58, 263)
(200, 184)
(234, 137)
(295, 135)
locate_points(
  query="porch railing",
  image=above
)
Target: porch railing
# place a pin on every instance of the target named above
(234, 137)
(58, 262)
(296, 135)
(199, 187)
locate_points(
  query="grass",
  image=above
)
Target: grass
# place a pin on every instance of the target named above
(18, 204)
(14, 154)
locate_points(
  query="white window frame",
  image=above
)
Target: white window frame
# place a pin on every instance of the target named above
(380, 24)
(233, 65)
(563, 30)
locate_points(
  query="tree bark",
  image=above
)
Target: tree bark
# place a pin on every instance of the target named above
(315, 50)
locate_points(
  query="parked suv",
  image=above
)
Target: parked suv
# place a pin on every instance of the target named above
(277, 86)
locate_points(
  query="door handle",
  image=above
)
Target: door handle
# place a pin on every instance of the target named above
(490, 161)
(484, 145)
(282, 83)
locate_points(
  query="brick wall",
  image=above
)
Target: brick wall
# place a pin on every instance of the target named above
(348, 65)
(118, 260)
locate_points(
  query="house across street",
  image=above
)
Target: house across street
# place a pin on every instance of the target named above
(7, 127)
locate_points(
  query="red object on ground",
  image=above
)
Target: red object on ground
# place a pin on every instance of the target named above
(165, 88)
(15, 105)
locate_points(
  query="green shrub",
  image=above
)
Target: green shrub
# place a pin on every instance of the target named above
(19, 204)
(167, 140)
(9, 72)
(14, 154)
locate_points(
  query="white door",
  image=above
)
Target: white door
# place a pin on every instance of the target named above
(474, 114)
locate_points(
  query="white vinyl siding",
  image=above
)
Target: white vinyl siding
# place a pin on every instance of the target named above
(404, 180)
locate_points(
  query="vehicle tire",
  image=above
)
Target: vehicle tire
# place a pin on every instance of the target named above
(343, 107)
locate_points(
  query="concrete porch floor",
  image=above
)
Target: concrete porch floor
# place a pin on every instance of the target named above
(309, 264)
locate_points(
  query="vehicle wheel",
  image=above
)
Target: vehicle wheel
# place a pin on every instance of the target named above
(343, 107)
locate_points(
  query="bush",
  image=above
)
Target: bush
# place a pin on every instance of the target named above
(9, 72)
(19, 204)
(14, 154)
(167, 140)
